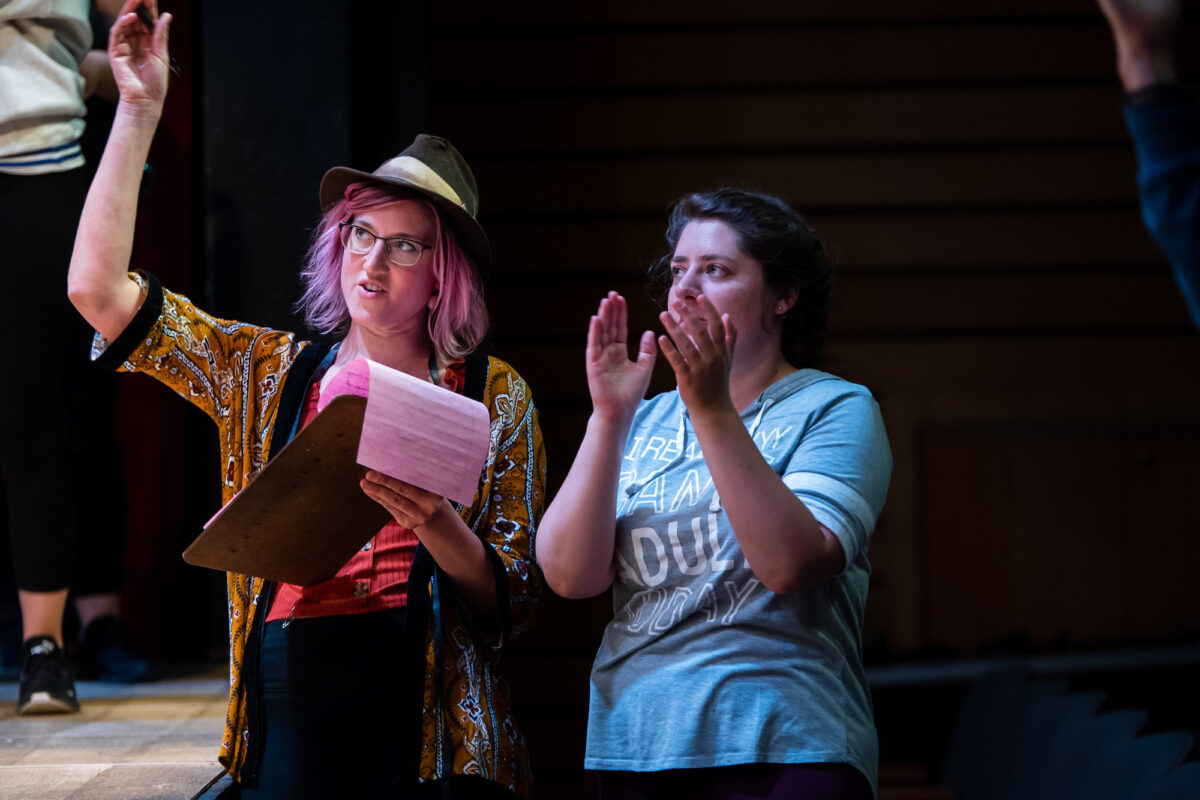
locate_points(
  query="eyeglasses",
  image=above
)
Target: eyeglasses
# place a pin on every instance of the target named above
(399, 250)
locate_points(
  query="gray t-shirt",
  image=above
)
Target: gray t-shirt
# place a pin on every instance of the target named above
(701, 665)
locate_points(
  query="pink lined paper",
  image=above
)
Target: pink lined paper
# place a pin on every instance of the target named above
(414, 431)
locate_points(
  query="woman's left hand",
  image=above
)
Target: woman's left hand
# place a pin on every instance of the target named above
(409, 505)
(699, 347)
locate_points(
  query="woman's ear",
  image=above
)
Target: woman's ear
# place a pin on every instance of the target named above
(787, 299)
(433, 298)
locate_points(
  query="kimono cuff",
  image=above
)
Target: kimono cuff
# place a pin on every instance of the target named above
(113, 354)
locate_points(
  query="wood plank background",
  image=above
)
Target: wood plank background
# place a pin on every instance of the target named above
(968, 164)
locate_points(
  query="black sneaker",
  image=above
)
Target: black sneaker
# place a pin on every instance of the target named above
(46, 685)
(106, 654)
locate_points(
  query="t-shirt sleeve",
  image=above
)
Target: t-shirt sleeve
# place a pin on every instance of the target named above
(841, 468)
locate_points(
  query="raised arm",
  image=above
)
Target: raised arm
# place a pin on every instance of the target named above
(1164, 123)
(1143, 30)
(576, 538)
(97, 283)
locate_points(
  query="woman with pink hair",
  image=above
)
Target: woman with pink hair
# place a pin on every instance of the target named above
(382, 681)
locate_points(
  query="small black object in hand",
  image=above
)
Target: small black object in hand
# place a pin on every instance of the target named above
(143, 15)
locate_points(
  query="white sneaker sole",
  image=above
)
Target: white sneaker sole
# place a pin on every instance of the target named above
(46, 703)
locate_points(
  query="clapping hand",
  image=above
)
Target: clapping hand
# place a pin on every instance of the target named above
(699, 347)
(617, 384)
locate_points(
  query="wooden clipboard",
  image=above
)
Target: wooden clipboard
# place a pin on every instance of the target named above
(304, 515)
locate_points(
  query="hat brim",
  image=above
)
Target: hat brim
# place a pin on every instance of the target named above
(471, 237)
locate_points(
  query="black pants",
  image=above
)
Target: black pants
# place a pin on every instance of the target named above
(331, 694)
(61, 468)
(334, 690)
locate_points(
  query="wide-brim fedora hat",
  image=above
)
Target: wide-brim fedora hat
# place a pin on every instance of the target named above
(431, 167)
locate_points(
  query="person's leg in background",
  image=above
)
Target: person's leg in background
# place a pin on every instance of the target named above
(97, 469)
(38, 215)
(97, 484)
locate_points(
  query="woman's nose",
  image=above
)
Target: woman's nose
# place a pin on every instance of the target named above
(688, 286)
(375, 260)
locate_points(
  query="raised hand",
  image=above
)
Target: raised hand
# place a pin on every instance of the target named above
(1148, 19)
(616, 383)
(699, 347)
(1142, 30)
(139, 57)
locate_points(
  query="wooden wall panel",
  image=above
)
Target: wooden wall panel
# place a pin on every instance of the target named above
(549, 246)
(1000, 303)
(1163, 521)
(678, 122)
(692, 12)
(870, 180)
(582, 59)
(1085, 570)
(958, 240)
(1009, 563)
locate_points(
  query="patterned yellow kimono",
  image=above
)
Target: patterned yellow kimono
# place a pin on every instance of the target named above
(251, 381)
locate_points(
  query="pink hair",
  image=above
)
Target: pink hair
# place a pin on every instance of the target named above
(458, 321)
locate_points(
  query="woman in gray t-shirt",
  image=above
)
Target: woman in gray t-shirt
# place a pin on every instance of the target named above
(731, 517)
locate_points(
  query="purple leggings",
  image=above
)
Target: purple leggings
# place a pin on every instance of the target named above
(741, 782)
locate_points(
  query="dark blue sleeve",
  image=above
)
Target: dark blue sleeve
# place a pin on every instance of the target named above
(1165, 124)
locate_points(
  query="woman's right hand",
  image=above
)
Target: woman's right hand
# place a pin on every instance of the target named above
(616, 383)
(139, 57)
(98, 281)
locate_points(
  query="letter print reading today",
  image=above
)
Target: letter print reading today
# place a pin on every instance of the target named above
(678, 560)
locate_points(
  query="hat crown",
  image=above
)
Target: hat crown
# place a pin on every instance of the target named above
(445, 162)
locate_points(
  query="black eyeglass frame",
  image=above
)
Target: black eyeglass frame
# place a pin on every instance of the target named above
(374, 238)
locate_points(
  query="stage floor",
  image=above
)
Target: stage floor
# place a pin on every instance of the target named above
(135, 742)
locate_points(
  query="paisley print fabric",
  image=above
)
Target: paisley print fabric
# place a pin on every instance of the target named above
(235, 373)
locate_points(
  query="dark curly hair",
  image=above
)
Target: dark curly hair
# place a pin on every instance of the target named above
(773, 234)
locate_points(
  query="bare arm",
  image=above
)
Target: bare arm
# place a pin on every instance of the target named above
(788, 550)
(576, 538)
(97, 283)
(1142, 31)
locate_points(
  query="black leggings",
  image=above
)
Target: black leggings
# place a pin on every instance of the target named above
(61, 468)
